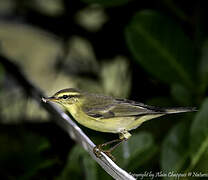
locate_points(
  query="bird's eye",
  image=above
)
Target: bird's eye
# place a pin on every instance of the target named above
(65, 96)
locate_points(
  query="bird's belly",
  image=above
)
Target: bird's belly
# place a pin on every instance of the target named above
(111, 125)
(137, 122)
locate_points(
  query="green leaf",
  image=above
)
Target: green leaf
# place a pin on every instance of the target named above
(202, 165)
(79, 162)
(107, 3)
(90, 168)
(203, 68)
(181, 94)
(136, 151)
(22, 153)
(161, 47)
(175, 151)
(199, 134)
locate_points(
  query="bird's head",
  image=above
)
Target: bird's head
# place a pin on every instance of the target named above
(65, 97)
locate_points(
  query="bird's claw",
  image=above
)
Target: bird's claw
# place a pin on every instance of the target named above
(97, 151)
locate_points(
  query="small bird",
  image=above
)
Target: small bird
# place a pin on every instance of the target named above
(108, 114)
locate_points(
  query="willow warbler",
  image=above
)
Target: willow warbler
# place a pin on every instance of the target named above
(108, 114)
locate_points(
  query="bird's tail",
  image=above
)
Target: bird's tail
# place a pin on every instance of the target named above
(180, 110)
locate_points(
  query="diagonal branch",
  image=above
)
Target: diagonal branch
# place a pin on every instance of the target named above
(64, 121)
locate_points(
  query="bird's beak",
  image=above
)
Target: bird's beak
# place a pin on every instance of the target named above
(49, 99)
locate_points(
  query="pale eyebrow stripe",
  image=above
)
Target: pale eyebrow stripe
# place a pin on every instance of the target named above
(69, 94)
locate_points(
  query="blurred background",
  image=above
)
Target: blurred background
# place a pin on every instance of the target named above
(155, 52)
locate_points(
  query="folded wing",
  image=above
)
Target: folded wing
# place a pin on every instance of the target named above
(107, 107)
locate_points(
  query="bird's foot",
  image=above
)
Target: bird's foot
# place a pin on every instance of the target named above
(98, 149)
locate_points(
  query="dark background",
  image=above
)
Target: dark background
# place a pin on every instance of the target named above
(155, 52)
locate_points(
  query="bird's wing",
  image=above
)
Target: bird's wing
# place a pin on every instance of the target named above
(106, 107)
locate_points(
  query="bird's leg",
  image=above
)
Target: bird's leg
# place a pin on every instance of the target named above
(116, 145)
(99, 148)
(122, 136)
(109, 142)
